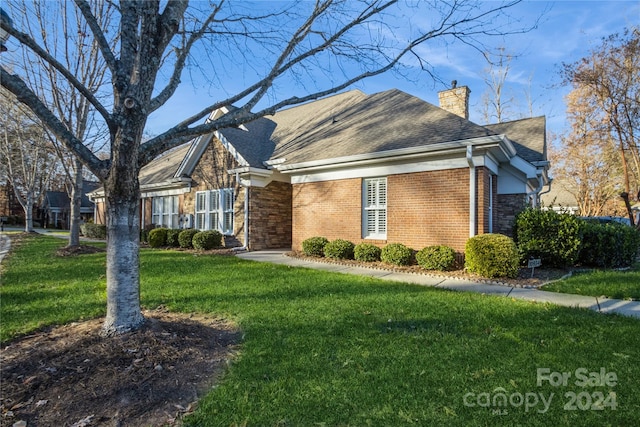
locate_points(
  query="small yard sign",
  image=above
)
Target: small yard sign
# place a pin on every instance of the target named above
(533, 263)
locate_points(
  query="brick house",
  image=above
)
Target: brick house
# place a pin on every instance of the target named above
(383, 168)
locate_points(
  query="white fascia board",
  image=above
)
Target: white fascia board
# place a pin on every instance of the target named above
(524, 166)
(508, 147)
(166, 191)
(166, 188)
(489, 162)
(252, 177)
(193, 155)
(386, 156)
(370, 171)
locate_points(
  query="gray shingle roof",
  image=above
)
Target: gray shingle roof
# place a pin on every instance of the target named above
(355, 123)
(528, 137)
(164, 167)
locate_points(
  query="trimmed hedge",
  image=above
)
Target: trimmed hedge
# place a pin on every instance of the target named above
(367, 252)
(172, 238)
(93, 231)
(185, 238)
(158, 237)
(206, 240)
(397, 254)
(609, 245)
(314, 246)
(437, 257)
(554, 237)
(492, 255)
(339, 249)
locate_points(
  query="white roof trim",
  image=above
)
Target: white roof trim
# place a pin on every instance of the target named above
(402, 153)
(200, 143)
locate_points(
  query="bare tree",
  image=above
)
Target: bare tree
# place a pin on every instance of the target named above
(611, 77)
(497, 105)
(337, 42)
(28, 158)
(80, 55)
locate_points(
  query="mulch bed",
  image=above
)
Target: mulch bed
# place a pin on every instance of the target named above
(541, 276)
(72, 376)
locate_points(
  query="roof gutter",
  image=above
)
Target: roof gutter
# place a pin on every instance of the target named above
(399, 154)
(472, 192)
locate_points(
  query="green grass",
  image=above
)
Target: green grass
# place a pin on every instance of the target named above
(325, 349)
(609, 283)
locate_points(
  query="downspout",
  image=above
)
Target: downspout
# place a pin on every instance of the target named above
(246, 216)
(548, 190)
(490, 203)
(536, 193)
(472, 192)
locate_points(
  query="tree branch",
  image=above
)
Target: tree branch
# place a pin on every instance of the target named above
(25, 95)
(98, 34)
(29, 42)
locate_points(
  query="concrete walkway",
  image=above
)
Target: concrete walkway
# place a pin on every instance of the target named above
(602, 305)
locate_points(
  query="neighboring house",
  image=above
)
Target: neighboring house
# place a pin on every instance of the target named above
(57, 207)
(559, 199)
(10, 208)
(380, 168)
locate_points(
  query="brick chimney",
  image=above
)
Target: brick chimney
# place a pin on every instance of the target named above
(455, 100)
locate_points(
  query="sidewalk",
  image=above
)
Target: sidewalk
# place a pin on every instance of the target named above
(601, 305)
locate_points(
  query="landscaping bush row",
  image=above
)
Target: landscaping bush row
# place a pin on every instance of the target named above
(186, 239)
(430, 258)
(564, 240)
(93, 231)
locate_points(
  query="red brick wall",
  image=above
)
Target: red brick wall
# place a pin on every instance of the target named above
(331, 209)
(429, 208)
(423, 209)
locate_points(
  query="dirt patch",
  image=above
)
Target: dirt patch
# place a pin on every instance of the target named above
(78, 250)
(541, 276)
(71, 376)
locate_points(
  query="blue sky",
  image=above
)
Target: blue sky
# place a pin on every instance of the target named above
(568, 30)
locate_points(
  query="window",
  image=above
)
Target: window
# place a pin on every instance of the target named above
(165, 211)
(374, 202)
(214, 210)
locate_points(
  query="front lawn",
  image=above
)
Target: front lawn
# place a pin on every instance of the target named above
(618, 284)
(325, 349)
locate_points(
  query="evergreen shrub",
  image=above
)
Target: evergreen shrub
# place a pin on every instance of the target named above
(439, 257)
(206, 240)
(554, 237)
(397, 254)
(314, 246)
(185, 238)
(172, 238)
(366, 252)
(158, 237)
(492, 255)
(339, 249)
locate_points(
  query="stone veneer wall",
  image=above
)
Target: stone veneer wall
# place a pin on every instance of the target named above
(507, 207)
(270, 216)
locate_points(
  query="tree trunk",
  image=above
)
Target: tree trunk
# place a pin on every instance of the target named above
(122, 216)
(123, 239)
(28, 213)
(76, 203)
